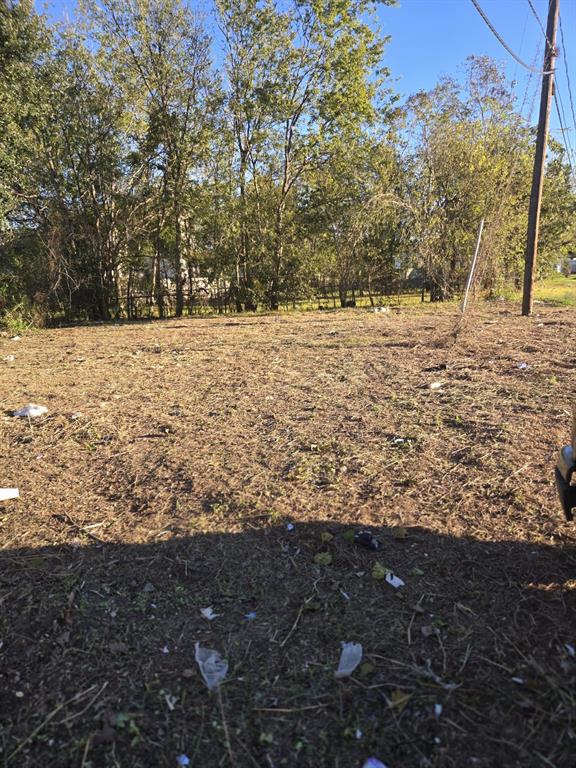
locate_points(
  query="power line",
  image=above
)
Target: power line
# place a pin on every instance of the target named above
(538, 19)
(564, 56)
(564, 133)
(503, 43)
(570, 155)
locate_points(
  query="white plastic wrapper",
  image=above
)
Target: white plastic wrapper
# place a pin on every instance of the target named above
(350, 657)
(213, 667)
(394, 581)
(9, 493)
(31, 411)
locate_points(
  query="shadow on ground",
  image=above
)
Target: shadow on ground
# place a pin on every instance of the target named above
(471, 663)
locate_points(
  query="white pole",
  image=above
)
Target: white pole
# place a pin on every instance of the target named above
(473, 267)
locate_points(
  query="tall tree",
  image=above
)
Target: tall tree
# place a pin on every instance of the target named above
(159, 59)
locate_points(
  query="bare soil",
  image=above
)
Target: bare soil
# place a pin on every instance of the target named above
(195, 446)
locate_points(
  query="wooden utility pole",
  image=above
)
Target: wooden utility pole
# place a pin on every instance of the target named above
(540, 158)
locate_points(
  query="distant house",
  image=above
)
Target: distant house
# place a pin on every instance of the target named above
(571, 264)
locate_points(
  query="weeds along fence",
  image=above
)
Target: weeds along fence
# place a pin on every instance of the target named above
(152, 304)
(218, 299)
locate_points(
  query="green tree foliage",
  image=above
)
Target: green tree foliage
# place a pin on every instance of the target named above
(470, 157)
(138, 177)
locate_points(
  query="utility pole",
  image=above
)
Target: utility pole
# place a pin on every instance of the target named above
(540, 158)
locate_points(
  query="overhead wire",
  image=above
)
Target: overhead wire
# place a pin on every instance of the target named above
(558, 103)
(504, 44)
(563, 131)
(566, 69)
(538, 19)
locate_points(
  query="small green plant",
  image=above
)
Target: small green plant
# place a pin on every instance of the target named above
(15, 321)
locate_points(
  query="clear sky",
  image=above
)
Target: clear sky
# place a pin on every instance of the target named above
(431, 38)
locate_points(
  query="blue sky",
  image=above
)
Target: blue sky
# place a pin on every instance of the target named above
(432, 38)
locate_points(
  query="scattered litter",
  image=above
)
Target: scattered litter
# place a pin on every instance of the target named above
(9, 493)
(373, 762)
(208, 613)
(518, 680)
(570, 650)
(9, 358)
(358, 734)
(183, 760)
(402, 443)
(175, 411)
(31, 411)
(213, 667)
(15, 338)
(523, 366)
(429, 631)
(345, 595)
(170, 701)
(350, 658)
(250, 616)
(165, 649)
(148, 587)
(76, 415)
(290, 526)
(367, 539)
(380, 309)
(394, 581)
(436, 385)
(427, 671)
(437, 710)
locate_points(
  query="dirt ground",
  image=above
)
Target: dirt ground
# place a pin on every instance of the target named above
(226, 462)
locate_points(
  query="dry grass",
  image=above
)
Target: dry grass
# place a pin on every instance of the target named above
(198, 441)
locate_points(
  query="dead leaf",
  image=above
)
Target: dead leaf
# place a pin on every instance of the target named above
(379, 572)
(399, 699)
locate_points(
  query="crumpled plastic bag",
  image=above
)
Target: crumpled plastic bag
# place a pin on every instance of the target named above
(31, 411)
(373, 762)
(213, 667)
(350, 657)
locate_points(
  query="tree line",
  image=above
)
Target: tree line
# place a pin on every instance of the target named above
(152, 158)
